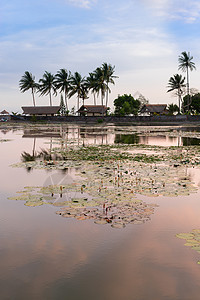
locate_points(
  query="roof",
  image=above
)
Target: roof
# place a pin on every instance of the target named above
(93, 108)
(4, 112)
(40, 110)
(154, 108)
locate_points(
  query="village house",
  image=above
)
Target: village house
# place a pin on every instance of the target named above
(154, 109)
(92, 110)
(41, 110)
(4, 116)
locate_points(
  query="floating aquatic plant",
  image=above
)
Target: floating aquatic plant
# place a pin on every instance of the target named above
(118, 210)
(192, 239)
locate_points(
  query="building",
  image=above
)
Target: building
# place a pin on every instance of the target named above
(92, 110)
(154, 109)
(41, 110)
(4, 115)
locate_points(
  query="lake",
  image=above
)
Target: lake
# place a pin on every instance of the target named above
(46, 256)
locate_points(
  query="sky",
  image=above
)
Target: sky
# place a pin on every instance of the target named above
(141, 38)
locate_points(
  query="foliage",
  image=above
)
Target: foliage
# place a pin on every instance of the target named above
(143, 100)
(47, 84)
(62, 106)
(97, 82)
(177, 82)
(194, 105)
(126, 105)
(172, 108)
(28, 82)
(186, 64)
(126, 139)
(62, 82)
(77, 82)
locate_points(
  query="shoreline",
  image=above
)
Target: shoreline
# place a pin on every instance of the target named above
(178, 120)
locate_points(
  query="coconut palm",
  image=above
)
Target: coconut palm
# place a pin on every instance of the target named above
(172, 108)
(76, 86)
(108, 72)
(177, 83)
(84, 92)
(100, 81)
(47, 85)
(186, 64)
(91, 83)
(28, 82)
(62, 82)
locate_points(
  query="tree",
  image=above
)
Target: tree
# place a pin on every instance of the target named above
(62, 106)
(177, 83)
(194, 105)
(126, 105)
(143, 100)
(172, 108)
(84, 93)
(91, 83)
(62, 82)
(76, 86)
(47, 85)
(101, 86)
(186, 64)
(108, 72)
(28, 82)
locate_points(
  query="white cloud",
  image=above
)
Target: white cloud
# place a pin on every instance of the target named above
(82, 3)
(187, 11)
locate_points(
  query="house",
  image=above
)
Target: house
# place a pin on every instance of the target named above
(154, 109)
(4, 115)
(92, 110)
(41, 110)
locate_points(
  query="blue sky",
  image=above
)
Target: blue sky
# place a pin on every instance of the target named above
(142, 38)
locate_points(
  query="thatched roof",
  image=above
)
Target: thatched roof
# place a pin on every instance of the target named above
(40, 110)
(154, 108)
(93, 108)
(4, 112)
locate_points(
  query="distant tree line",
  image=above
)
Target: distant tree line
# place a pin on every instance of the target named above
(97, 82)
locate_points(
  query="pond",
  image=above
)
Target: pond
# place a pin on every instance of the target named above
(73, 235)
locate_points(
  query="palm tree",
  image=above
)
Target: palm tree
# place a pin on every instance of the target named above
(100, 81)
(47, 84)
(84, 92)
(28, 82)
(172, 108)
(186, 64)
(62, 82)
(91, 83)
(76, 86)
(108, 72)
(177, 83)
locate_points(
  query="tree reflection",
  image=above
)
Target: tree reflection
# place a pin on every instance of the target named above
(126, 139)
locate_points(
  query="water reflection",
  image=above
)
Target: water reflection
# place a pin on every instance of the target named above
(43, 256)
(127, 139)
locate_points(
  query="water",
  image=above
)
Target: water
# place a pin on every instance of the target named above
(45, 256)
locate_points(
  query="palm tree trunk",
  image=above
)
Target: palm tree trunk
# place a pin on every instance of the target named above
(50, 98)
(94, 99)
(33, 97)
(179, 103)
(102, 102)
(107, 95)
(188, 90)
(66, 100)
(78, 104)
